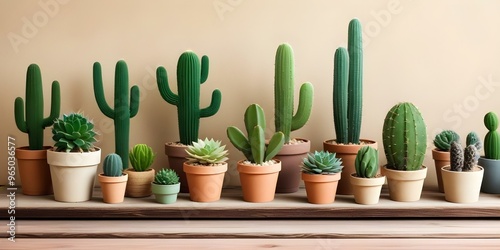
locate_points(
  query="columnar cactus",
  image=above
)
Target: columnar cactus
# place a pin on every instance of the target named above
(112, 165)
(404, 137)
(443, 140)
(32, 122)
(492, 138)
(190, 75)
(348, 87)
(254, 146)
(284, 119)
(456, 157)
(366, 163)
(471, 157)
(123, 109)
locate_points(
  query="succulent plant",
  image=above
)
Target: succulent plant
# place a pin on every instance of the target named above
(253, 146)
(284, 119)
(492, 138)
(366, 163)
(123, 110)
(348, 87)
(166, 177)
(443, 140)
(73, 133)
(112, 165)
(206, 152)
(463, 160)
(473, 139)
(32, 122)
(141, 157)
(321, 163)
(190, 75)
(404, 137)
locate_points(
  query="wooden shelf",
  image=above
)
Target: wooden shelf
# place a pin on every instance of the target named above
(231, 206)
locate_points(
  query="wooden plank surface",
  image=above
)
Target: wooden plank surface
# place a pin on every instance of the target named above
(231, 206)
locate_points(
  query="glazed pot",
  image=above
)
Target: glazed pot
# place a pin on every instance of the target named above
(367, 190)
(258, 183)
(321, 188)
(139, 183)
(291, 157)
(165, 194)
(34, 171)
(441, 159)
(405, 185)
(205, 182)
(348, 155)
(491, 176)
(113, 187)
(176, 154)
(462, 187)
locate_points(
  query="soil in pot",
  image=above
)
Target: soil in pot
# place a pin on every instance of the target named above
(321, 188)
(205, 182)
(34, 171)
(441, 159)
(176, 154)
(139, 183)
(367, 190)
(258, 183)
(462, 187)
(291, 156)
(405, 185)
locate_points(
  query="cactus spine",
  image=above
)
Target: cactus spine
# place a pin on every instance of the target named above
(404, 137)
(112, 165)
(123, 109)
(284, 119)
(366, 163)
(492, 138)
(348, 87)
(190, 75)
(32, 122)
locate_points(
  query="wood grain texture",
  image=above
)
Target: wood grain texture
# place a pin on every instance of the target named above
(231, 206)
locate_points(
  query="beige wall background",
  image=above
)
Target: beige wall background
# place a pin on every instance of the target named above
(444, 56)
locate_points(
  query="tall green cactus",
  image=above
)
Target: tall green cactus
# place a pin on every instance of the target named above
(32, 122)
(112, 165)
(284, 119)
(123, 109)
(190, 75)
(254, 146)
(492, 138)
(404, 137)
(348, 87)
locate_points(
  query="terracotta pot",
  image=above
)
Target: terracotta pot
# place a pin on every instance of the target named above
(258, 183)
(205, 182)
(366, 190)
(176, 158)
(405, 185)
(165, 194)
(291, 156)
(321, 188)
(441, 159)
(491, 177)
(139, 183)
(73, 174)
(113, 187)
(348, 154)
(462, 187)
(34, 171)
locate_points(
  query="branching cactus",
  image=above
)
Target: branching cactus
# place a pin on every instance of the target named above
(404, 137)
(366, 163)
(190, 75)
(443, 140)
(456, 157)
(473, 139)
(112, 165)
(32, 122)
(348, 87)
(123, 109)
(253, 146)
(492, 138)
(284, 119)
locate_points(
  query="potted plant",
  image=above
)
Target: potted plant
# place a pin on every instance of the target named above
(462, 179)
(491, 159)
(32, 160)
(205, 170)
(190, 75)
(113, 181)
(259, 172)
(441, 154)
(140, 175)
(321, 173)
(348, 104)
(404, 138)
(73, 160)
(123, 109)
(166, 186)
(294, 149)
(366, 181)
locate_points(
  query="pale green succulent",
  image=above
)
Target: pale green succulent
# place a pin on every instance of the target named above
(166, 177)
(322, 163)
(207, 152)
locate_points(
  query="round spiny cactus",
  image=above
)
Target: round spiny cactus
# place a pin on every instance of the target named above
(113, 165)
(73, 133)
(206, 152)
(473, 139)
(166, 177)
(141, 157)
(443, 140)
(321, 163)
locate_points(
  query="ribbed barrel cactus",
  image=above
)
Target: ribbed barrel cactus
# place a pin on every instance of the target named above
(73, 133)
(443, 140)
(322, 163)
(492, 138)
(112, 165)
(141, 157)
(404, 137)
(366, 163)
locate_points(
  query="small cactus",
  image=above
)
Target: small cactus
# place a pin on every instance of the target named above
(471, 157)
(322, 163)
(473, 139)
(112, 165)
(456, 157)
(166, 177)
(253, 146)
(492, 138)
(366, 163)
(73, 133)
(443, 140)
(141, 157)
